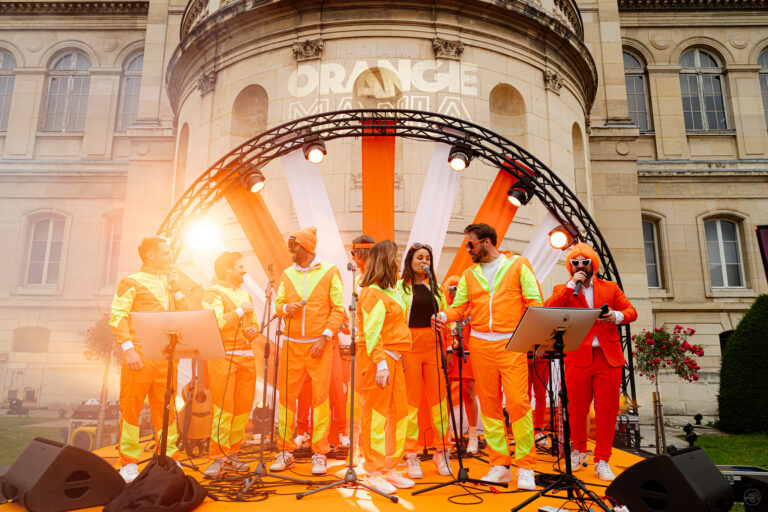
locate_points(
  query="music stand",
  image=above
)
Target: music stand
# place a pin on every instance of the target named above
(167, 335)
(559, 330)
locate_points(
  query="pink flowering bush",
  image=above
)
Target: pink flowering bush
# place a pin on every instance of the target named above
(659, 349)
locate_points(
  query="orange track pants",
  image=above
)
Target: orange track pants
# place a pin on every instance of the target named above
(232, 410)
(422, 372)
(149, 382)
(385, 418)
(338, 396)
(296, 363)
(497, 369)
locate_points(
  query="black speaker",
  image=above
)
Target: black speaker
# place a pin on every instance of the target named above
(684, 481)
(53, 477)
(754, 493)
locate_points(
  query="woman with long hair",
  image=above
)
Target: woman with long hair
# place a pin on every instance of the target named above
(381, 321)
(422, 370)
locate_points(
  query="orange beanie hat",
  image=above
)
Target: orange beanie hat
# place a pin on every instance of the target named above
(582, 249)
(307, 238)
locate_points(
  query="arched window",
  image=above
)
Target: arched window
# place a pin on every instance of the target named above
(726, 268)
(45, 249)
(129, 102)
(68, 93)
(637, 92)
(508, 113)
(763, 61)
(702, 86)
(7, 65)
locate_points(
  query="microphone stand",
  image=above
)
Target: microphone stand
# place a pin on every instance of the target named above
(350, 478)
(463, 475)
(256, 477)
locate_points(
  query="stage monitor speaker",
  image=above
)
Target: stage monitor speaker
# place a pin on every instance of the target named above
(51, 477)
(754, 493)
(683, 481)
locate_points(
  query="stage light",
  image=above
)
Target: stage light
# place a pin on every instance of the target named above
(561, 238)
(314, 149)
(459, 157)
(202, 235)
(255, 182)
(519, 194)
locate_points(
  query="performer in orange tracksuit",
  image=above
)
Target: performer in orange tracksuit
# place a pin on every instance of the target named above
(146, 290)
(381, 317)
(496, 292)
(310, 300)
(422, 367)
(233, 378)
(594, 369)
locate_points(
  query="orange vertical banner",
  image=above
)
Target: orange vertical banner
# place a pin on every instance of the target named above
(495, 211)
(260, 228)
(379, 187)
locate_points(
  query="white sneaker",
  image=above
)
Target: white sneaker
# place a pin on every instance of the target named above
(395, 478)
(472, 444)
(215, 469)
(233, 463)
(603, 471)
(441, 461)
(414, 467)
(302, 441)
(283, 461)
(578, 460)
(541, 439)
(129, 472)
(378, 482)
(525, 479)
(498, 475)
(343, 440)
(319, 464)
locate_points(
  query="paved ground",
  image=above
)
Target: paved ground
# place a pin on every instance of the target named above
(673, 428)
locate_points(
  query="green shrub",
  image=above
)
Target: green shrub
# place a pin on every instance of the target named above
(743, 397)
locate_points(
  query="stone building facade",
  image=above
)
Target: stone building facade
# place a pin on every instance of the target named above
(109, 110)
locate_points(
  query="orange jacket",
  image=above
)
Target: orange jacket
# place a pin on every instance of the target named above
(144, 291)
(320, 286)
(605, 292)
(224, 301)
(383, 322)
(497, 308)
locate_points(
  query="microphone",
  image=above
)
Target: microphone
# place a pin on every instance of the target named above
(426, 270)
(351, 267)
(576, 290)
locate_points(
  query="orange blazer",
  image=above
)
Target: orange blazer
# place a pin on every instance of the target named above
(605, 292)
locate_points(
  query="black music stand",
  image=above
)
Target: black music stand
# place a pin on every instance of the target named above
(168, 335)
(557, 330)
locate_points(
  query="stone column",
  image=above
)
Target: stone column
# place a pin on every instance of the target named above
(103, 99)
(743, 96)
(668, 122)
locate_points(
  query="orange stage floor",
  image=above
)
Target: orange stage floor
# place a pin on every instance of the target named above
(282, 497)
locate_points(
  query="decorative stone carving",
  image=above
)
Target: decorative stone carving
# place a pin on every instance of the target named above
(622, 148)
(445, 49)
(588, 124)
(660, 41)
(139, 8)
(738, 40)
(691, 5)
(206, 83)
(553, 81)
(308, 49)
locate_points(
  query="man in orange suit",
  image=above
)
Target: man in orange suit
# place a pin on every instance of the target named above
(594, 369)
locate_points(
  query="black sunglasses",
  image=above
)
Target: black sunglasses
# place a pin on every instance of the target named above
(417, 245)
(584, 263)
(471, 245)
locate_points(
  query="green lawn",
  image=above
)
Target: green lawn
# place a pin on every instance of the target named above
(15, 435)
(741, 450)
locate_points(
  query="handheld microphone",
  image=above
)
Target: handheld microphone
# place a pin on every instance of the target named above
(351, 267)
(576, 290)
(426, 270)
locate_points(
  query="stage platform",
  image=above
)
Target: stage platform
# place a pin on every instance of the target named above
(279, 496)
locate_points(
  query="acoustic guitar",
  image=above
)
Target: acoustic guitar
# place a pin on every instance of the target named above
(196, 418)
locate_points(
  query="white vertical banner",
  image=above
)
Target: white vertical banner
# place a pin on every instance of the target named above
(313, 208)
(438, 196)
(543, 257)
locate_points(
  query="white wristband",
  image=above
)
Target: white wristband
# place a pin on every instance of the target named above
(127, 345)
(240, 312)
(178, 295)
(381, 365)
(442, 317)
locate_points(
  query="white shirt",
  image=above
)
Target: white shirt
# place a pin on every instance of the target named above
(490, 269)
(589, 296)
